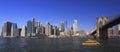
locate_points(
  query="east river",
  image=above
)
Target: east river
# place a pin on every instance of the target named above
(56, 45)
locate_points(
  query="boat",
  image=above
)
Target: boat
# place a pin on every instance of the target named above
(90, 42)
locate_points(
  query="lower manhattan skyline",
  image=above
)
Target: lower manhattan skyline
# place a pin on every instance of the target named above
(56, 11)
(59, 25)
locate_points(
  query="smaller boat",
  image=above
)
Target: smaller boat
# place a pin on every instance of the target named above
(90, 42)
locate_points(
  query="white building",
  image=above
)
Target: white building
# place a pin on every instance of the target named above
(14, 30)
(23, 31)
(75, 27)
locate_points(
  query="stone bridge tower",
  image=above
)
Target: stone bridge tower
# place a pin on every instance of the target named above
(101, 33)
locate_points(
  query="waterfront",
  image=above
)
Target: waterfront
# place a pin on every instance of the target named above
(56, 45)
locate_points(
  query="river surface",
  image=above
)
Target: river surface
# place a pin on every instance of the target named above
(56, 45)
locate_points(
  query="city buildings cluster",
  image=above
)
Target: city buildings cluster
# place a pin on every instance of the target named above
(36, 29)
(115, 31)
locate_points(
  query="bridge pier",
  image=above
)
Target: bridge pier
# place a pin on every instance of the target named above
(103, 34)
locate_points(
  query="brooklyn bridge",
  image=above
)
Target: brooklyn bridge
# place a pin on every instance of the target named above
(102, 26)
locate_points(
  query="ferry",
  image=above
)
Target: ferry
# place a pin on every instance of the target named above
(90, 42)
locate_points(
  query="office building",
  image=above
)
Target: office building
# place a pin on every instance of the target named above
(48, 29)
(19, 31)
(54, 30)
(33, 25)
(75, 26)
(14, 30)
(23, 31)
(29, 28)
(62, 27)
(38, 28)
(6, 31)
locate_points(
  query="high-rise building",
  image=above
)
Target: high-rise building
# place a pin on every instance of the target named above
(62, 27)
(37, 24)
(33, 25)
(43, 30)
(38, 28)
(75, 26)
(23, 31)
(55, 30)
(6, 32)
(2, 32)
(29, 28)
(48, 29)
(14, 30)
(19, 31)
(71, 31)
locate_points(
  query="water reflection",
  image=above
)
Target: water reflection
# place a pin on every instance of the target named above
(56, 45)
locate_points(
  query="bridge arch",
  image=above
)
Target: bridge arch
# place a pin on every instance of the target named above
(101, 21)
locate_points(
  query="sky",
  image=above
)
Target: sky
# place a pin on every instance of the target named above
(55, 11)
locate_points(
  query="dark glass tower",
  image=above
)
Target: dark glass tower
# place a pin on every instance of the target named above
(62, 26)
(33, 25)
(29, 28)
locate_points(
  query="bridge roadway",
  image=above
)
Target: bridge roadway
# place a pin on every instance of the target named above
(109, 24)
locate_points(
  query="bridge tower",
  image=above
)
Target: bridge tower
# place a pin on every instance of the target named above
(101, 33)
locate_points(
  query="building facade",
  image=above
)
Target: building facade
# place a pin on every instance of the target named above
(29, 28)
(48, 29)
(6, 32)
(75, 26)
(14, 30)
(23, 31)
(62, 27)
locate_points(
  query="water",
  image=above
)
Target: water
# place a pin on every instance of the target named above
(56, 45)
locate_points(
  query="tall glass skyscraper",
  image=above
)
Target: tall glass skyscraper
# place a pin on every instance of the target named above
(33, 25)
(29, 28)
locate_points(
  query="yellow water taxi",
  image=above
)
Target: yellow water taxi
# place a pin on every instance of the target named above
(90, 42)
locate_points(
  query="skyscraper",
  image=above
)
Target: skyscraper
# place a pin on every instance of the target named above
(14, 30)
(6, 32)
(43, 30)
(23, 31)
(62, 27)
(38, 28)
(33, 25)
(75, 26)
(48, 29)
(2, 32)
(55, 30)
(37, 24)
(19, 30)
(29, 28)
